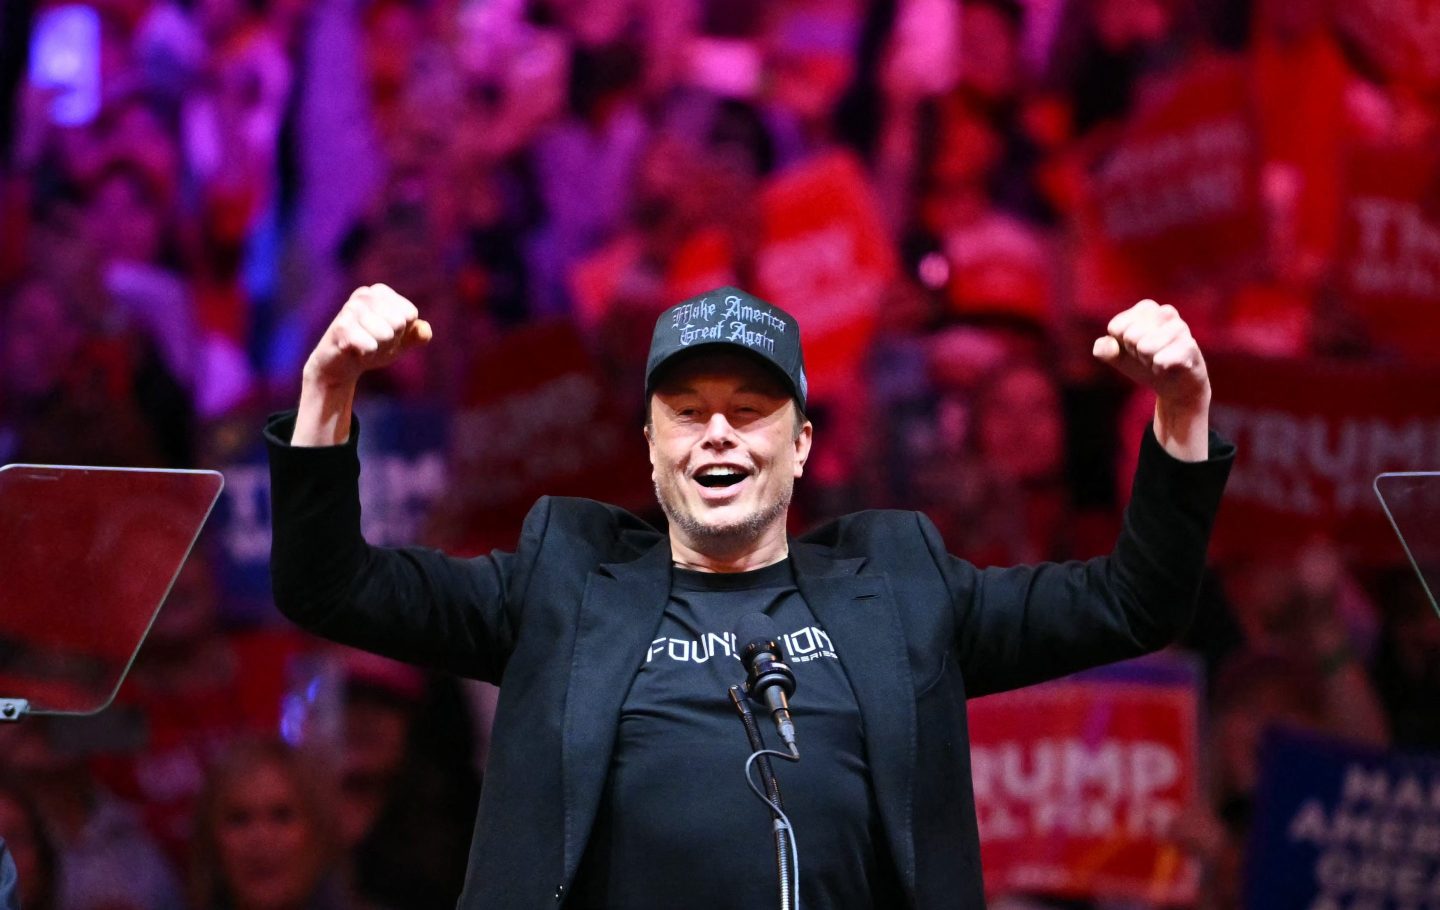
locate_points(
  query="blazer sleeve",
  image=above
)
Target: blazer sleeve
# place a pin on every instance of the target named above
(1026, 624)
(412, 603)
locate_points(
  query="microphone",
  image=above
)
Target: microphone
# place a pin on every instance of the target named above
(767, 679)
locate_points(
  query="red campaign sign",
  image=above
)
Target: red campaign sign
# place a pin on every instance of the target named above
(1177, 196)
(1311, 436)
(826, 257)
(1078, 783)
(1397, 37)
(1390, 246)
(539, 419)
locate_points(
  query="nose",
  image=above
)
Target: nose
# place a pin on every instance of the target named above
(719, 434)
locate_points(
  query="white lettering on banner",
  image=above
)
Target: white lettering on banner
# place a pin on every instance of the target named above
(1380, 845)
(801, 646)
(397, 492)
(821, 266)
(525, 440)
(1399, 249)
(1071, 767)
(1304, 464)
(247, 528)
(510, 427)
(1190, 198)
(1074, 787)
(1349, 879)
(1183, 178)
(1158, 158)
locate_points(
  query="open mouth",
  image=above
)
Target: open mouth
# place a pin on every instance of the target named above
(719, 476)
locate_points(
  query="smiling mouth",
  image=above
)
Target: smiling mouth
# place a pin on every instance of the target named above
(715, 480)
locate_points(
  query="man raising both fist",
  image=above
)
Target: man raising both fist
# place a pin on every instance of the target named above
(614, 777)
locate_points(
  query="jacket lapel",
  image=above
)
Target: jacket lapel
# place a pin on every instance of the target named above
(860, 615)
(621, 609)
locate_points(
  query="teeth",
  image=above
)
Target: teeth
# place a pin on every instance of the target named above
(718, 471)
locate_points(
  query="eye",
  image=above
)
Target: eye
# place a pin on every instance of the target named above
(752, 408)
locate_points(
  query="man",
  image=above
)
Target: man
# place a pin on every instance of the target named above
(615, 776)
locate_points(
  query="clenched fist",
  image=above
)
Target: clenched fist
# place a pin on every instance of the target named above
(1152, 345)
(375, 326)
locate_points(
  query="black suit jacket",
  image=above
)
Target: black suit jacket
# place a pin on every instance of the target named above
(563, 624)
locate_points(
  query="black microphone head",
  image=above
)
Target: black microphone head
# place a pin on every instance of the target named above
(755, 633)
(757, 644)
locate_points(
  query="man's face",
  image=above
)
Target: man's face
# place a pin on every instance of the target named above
(724, 450)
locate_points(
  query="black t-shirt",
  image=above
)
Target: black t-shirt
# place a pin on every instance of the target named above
(677, 825)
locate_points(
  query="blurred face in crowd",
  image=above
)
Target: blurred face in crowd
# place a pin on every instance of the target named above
(265, 839)
(394, 36)
(39, 337)
(138, 133)
(1020, 429)
(377, 730)
(969, 148)
(1123, 24)
(594, 22)
(724, 449)
(811, 56)
(219, 18)
(189, 614)
(988, 51)
(123, 219)
(1276, 698)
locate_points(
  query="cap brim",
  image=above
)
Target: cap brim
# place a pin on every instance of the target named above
(658, 371)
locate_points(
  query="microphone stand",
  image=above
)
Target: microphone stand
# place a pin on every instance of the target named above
(784, 873)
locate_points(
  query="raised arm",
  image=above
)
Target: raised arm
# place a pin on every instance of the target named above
(1025, 624)
(413, 604)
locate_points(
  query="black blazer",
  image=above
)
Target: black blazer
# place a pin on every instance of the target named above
(563, 623)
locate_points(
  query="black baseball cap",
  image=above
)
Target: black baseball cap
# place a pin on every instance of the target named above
(736, 319)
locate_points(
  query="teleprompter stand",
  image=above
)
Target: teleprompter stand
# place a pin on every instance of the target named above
(87, 556)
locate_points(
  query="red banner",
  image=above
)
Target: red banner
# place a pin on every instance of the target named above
(539, 420)
(1390, 246)
(1079, 782)
(1312, 435)
(1176, 197)
(827, 258)
(1400, 38)
(824, 255)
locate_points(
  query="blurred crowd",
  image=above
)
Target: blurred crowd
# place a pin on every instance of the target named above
(189, 198)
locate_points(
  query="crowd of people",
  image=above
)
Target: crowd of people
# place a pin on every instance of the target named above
(172, 249)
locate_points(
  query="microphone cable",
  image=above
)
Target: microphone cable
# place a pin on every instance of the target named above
(781, 821)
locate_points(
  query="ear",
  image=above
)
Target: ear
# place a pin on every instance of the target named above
(650, 442)
(802, 447)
